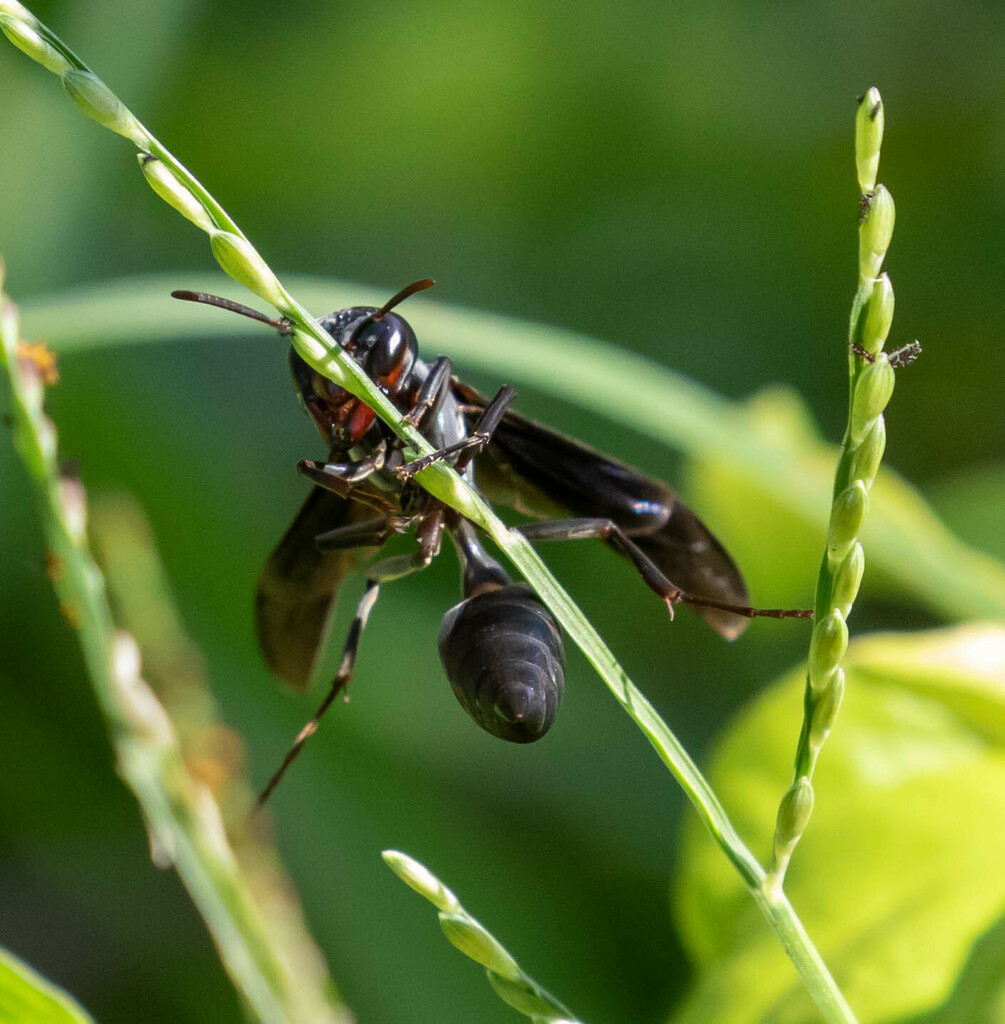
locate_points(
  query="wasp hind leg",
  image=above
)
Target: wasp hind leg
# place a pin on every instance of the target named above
(614, 537)
(339, 683)
(428, 535)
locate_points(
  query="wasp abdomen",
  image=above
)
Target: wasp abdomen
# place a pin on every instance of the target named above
(503, 654)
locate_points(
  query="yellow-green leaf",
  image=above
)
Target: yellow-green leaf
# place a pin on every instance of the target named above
(900, 872)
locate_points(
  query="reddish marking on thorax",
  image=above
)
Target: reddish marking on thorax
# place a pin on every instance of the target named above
(359, 421)
(348, 411)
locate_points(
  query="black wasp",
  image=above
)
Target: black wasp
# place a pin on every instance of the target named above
(501, 648)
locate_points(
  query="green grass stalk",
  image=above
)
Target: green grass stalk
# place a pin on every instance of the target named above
(511, 983)
(871, 381)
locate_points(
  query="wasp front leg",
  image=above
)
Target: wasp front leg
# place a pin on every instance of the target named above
(467, 449)
(342, 477)
(431, 395)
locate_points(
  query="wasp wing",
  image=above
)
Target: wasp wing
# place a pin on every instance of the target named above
(543, 473)
(297, 586)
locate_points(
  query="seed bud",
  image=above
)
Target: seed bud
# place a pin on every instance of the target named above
(125, 657)
(872, 393)
(866, 459)
(307, 345)
(73, 507)
(878, 315)
(241, 261)
(418, 877)
(47, 437)
(475, 942)
(875, 231)
(827, 646)
(16, 10)
(849, 579)
(826, 711)
(28, 41)
(868, 139)
(847, 514)
(793, 815)
(162, 180)
(145, 712)
(32, 388)
(522, 997)
(99, 102)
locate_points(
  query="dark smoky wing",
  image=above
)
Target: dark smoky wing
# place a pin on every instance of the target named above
(546, 474)
(297, 586)
(692, 557)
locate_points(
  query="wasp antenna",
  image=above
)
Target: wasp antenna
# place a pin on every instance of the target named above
(206, 299)
(411, 289)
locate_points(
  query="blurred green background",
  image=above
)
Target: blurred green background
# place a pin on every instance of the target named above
(676, 179)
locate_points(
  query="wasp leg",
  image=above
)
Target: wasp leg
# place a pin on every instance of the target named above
(470, 446)
(339, 683)
(428, 535)
(431, 395)
(370, 533)
(341, 477)
(614, 537)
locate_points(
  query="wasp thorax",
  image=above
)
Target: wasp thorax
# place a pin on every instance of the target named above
(503, 654)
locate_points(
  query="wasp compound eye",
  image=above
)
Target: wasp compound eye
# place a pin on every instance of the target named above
(503, 654)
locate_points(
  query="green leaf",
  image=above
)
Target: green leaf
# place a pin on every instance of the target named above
(28, 998)
(899, 874)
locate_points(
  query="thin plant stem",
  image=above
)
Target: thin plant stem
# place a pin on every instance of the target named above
(512, 984)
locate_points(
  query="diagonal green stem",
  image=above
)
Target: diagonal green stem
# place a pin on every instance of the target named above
(474, 940)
